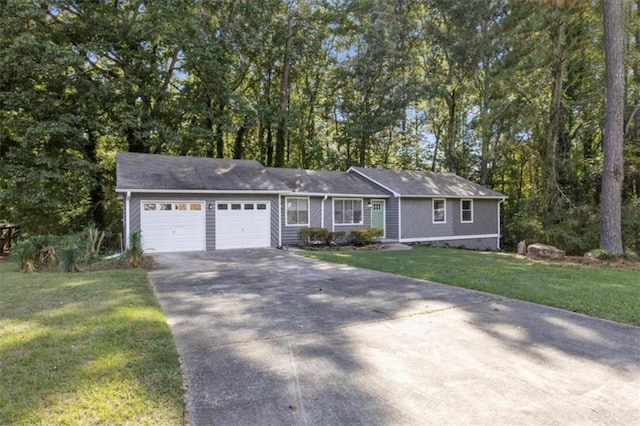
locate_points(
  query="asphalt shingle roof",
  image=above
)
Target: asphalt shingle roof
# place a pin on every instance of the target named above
(427, 184)
(326, 182)
(166, 172)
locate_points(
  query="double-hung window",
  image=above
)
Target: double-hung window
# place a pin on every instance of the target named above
(297, 211)
(347, 212)
(466, 211)
(439, 208)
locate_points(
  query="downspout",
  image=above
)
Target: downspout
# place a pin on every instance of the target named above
(322, 211)
(279, 220)
(127, 219)
(399, 219)
(498, 242)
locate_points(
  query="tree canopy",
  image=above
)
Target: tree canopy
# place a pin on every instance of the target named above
(506, 93)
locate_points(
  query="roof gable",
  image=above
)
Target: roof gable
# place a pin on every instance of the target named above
(166, 172)
(325, 182)
(426, 184)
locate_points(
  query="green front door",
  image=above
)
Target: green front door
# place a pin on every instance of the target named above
(377, 214)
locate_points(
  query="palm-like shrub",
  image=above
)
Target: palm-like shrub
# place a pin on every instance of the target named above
(24, 253)
(69, 254)
(133, 255)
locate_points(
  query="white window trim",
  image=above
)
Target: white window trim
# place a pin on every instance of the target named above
(433, 211)
(462, 212)
(352, 223)
(286, 211)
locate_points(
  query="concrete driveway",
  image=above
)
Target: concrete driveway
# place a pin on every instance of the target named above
(267, 337)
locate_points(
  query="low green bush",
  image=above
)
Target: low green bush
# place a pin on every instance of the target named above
(364, 236)
(319, 236)
(313, 236)
(601, 255)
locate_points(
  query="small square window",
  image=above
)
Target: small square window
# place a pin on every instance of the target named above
(236, 206)
(166, 206)
(195, 206)
(248, 206)
(180, 206)
(262, 206)
(223, 207)
(150, 206)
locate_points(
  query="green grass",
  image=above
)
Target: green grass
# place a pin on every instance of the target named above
(85, 348)
(606, 292)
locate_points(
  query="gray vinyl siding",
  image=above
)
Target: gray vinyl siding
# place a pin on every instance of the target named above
(210, 225)
(328, 213)
(417, 219)
(315, 212)
(391, 219)
(485, 218)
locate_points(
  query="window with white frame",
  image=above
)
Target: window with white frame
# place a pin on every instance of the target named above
(466, 211)
(347, 212)
(297, 211)
(439, 211)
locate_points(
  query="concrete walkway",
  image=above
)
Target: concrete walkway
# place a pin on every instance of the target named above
(267, 337)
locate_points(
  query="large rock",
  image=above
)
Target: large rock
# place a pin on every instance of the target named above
(522, 248)
(543, 250)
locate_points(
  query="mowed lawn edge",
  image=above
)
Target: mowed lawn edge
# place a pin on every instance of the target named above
(85, 348)
(608, 292)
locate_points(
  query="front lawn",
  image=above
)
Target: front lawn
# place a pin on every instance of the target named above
(606, 292)
(85, 348)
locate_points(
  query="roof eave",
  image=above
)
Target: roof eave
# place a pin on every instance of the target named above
(485, 197)
(204, 191)
(337, 194)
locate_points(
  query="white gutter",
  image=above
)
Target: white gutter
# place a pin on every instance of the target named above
(499, 230)
(203, 191)
(334, 194)
(322, 211)
(127, 219)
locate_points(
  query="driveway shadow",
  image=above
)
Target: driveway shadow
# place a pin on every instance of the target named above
(267, 337)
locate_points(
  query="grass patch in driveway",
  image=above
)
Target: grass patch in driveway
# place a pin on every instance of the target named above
(85, 348)
(606, 292)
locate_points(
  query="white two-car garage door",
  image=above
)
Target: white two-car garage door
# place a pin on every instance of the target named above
(172, 226)
(242, 224)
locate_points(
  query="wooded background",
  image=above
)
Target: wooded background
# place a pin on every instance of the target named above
(507, 93)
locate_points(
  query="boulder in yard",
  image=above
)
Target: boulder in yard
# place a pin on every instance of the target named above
(522, 248)
(545, 251)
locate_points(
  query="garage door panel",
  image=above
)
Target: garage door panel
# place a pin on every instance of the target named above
(182, 228)
(242, 225)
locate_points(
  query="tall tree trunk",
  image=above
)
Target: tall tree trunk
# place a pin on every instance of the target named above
(556, 125)
(285, 85)
(613, 170)
(219, 136)
(450, 152)
(96, 194)
(238, 147)
(485, 124)
(269, 146)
